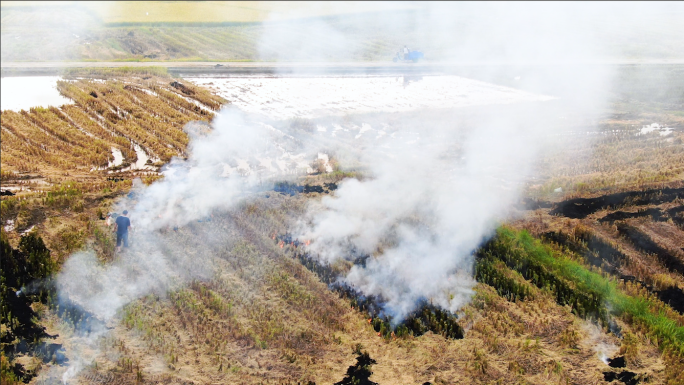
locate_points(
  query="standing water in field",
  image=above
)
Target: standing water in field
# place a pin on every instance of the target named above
(24, 92)
(433, 190)
(302, 97)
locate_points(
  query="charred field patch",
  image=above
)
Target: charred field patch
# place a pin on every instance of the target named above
(645, 243)
(579, 208)
(596, 251)
(426, 317)
(276, 315)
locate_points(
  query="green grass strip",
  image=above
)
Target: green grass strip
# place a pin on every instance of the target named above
(635, 309)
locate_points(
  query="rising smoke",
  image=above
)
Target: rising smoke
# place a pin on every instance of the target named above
(425, 208)
(192, 190)
(424, 204)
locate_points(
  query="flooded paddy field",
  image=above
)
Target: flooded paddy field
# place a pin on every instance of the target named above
(322, 114)
(313, 142)
(302, 97)
(24, 92)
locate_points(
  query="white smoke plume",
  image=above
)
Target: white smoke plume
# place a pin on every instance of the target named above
(426, 203)
(434, 188)
(425, 207)
(192, 190)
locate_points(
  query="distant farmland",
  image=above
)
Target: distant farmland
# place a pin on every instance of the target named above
(180, 31)
(253, 31)
(125, 12)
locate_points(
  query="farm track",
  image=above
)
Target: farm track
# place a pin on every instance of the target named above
(231, 68)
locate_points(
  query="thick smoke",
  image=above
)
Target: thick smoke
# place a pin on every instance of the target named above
(431, 192)
(427, 203)
(425, 207)
(191, 190)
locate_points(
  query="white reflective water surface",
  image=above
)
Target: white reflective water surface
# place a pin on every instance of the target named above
(24, 92)
(289, 97)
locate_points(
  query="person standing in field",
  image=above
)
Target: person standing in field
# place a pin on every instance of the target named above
(123, 223)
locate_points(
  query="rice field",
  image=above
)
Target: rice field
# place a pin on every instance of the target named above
(339, 96)
(186, 31)
(119, 115)
(133, 12)
(559, 292)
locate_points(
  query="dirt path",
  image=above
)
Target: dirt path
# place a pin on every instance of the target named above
(308, 68)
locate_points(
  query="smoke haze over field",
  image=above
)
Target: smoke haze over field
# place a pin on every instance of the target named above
(429, 202)
(191, 190)
(424, 206)
(433, 191)
(502, 33)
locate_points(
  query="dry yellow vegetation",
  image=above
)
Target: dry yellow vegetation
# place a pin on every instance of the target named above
(264, 317)
(137, 12)
(59, 161)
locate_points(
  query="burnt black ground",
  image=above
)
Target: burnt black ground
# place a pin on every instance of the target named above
(580, 208)
(617, 362)
(292, 189)
(672, 296)
(426, 317)
(534, 204)
(626, 377)
(646, 244)
(677, 215)
(655, 213)
(595, 251)
(359, 373)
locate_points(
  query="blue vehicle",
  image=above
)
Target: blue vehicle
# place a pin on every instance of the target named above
(411, 56)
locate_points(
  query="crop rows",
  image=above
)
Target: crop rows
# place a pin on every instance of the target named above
(587, 292)
(149, 111)
(426, 317)
(256, 303)
(623, 159)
